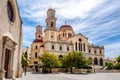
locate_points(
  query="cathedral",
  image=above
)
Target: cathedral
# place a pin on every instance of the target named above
(10, 40)
(63, 40)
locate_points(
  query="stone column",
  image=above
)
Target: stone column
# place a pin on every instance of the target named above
(12, 67)
(2, 71)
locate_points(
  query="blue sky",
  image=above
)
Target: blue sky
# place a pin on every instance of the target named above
(99, 20)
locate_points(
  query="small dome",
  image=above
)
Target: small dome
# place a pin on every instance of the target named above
(38, 26)
(37, 40)
(50, 9)
(64, 27)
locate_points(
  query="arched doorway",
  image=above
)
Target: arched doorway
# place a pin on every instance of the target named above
(101, 62)
(95, 61)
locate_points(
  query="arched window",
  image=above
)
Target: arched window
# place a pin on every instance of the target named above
(52, 46)
(101, 62)
(76, 46)
(69, 34)
(100, 52)
(35, 47)
(95, 51)
(60, 56)
(51, 24)
(79, 47)
(60, 47)
(67, 48)
(84, 46)
(95, 61)
(39, 36)
(10, 11)
(36, 55)
(89, 51)
(64, 34)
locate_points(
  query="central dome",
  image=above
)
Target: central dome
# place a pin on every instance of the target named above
(66, 27)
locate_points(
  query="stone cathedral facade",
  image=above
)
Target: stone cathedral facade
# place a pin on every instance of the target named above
(10, 40)
(63, 40)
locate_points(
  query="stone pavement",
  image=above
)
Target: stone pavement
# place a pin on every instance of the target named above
(64, 76)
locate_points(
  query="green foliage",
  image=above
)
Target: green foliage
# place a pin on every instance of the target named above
(116, 66)
(89, 70)
(118, 59)
(78, 59)
(89, 61)
(109, 65)
(49, 60)
(24, 60)
(74, 59)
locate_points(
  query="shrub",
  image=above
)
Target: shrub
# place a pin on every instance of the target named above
(109, 65)
(89, 70)
(117, 66)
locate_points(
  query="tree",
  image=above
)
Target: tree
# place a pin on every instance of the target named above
(109, 65)
(117, 66)
(89, 61)
(67, 61)
(24, 62)
(74, 59)
(118, 59)
(49, 60)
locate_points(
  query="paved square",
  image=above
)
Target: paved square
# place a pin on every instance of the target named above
(64, 76)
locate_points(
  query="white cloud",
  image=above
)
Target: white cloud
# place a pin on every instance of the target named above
(112, 50)
(35, 10)
(97, 19)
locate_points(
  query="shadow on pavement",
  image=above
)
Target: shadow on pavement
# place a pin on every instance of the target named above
(43, 73)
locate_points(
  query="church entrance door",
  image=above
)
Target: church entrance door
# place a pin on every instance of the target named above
(6, 65)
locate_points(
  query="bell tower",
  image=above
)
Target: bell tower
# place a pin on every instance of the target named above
(51, 31)
(51, 19)
(38, 33)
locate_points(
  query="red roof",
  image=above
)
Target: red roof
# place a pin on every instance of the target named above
(37, 40)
